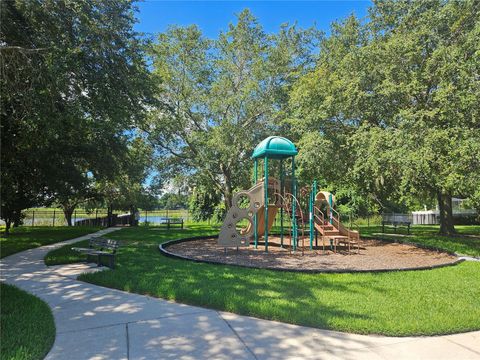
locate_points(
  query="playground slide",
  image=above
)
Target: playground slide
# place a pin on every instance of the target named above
(272, 212)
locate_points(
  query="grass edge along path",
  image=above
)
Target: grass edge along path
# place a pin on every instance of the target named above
(29, 334)
(28, 237)
(407, 303)
(25, 334)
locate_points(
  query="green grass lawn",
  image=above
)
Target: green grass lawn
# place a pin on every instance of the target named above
(65, 254)
(429, 302)
(27, 325)
(27, 237)
(467, 242)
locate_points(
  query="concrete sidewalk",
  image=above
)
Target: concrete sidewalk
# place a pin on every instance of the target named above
(100, 323)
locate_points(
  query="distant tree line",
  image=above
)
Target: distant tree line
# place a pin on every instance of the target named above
(173, 201)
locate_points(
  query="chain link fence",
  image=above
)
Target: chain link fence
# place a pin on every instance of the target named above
(56, 217)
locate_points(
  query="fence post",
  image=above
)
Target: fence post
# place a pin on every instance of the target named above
(33, 218)
(53, 222)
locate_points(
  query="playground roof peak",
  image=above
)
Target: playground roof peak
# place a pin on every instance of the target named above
(275, 147)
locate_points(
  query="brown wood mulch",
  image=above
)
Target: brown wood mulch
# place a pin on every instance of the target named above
(373, 255)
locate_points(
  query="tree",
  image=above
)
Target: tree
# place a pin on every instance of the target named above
(220, 98)
(74, 81)
(173, 201)
(426, 67)
(127, 191)
(402, 91)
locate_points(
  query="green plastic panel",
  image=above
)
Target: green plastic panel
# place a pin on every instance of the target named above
(275, 147)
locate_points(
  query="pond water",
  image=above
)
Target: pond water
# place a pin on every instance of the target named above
(154, 219)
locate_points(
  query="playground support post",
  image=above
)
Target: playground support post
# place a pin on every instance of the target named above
(266, 202)
(312, 212)
(282, 184)
(293, 206)
(255, 229)
(330, 207)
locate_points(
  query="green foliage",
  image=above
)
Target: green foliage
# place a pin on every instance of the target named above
(127, 190)
(203, 203)
(395, 303)
(393, 106)
(219, 98)
(74, 81)
(25, 334)
(172, 201)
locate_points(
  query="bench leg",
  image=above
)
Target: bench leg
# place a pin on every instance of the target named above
(90, 258)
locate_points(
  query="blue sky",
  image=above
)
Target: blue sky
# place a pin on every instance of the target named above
(213, 16)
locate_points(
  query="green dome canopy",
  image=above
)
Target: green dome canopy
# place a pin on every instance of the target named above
(275, 147)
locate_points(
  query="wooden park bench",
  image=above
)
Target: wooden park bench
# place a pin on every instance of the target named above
(396, 224)
(100, 247)
(172, 221)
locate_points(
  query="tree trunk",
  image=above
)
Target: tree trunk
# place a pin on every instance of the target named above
(446, 214)
(68, 212)
(227, 190)
(227, 195)
(8, 223)
(109, 215)
(133, 220)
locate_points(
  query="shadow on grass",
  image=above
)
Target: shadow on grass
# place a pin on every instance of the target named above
(408, 303)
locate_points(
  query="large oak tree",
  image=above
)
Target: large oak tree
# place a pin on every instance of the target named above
(74, 82)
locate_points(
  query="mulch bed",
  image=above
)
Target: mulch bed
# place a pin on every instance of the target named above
(374, 255)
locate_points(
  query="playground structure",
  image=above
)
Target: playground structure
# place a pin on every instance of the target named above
(270, 196)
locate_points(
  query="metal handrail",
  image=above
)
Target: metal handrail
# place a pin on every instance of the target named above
(338, 215)
(322, 222)
(286, 207)
(315, 209)
(301, 216)
(302, 219)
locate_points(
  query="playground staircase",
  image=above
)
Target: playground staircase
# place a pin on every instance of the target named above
(328, 230)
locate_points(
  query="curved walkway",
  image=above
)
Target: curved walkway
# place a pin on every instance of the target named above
(99, 323)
